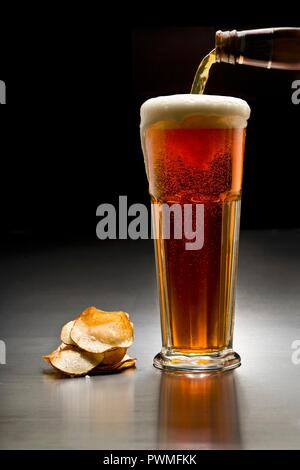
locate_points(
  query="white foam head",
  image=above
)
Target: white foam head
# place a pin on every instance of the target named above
(211, 111)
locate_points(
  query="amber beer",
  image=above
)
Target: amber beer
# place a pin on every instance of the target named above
(193, 147)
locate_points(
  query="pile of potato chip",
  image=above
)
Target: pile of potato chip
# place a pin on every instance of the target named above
(96, 341)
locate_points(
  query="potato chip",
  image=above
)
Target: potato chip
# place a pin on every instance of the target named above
(98, 331)
(65, 334)
(47, 359)
(47, 356)
(95, 342)
(113, 356)
(125, 363)
(73, 361)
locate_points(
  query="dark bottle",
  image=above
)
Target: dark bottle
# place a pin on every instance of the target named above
(277, 48)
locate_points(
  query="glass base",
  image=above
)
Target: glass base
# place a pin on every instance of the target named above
(223, 360)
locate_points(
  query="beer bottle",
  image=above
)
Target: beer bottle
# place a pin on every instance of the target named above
(277, 48)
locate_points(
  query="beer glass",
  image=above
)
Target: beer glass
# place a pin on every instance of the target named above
(193, 147)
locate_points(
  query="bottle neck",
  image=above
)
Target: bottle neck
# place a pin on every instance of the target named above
(228, 47)
(269, 48)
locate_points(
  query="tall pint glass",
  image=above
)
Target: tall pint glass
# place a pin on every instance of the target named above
(193, 148)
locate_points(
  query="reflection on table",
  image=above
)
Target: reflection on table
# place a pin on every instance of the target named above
(198, 411)
(94, 412)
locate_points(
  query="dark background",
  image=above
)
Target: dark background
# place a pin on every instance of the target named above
(70, 132)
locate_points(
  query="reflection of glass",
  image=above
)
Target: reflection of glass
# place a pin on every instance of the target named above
(194, 147)
(198, 411)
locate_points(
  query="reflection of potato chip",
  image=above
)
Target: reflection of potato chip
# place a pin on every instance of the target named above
(65, 334)
(113, 356)
(72, 361)
(125, 363)
(97, 331)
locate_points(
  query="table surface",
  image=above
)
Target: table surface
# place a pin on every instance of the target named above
(254, 407)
